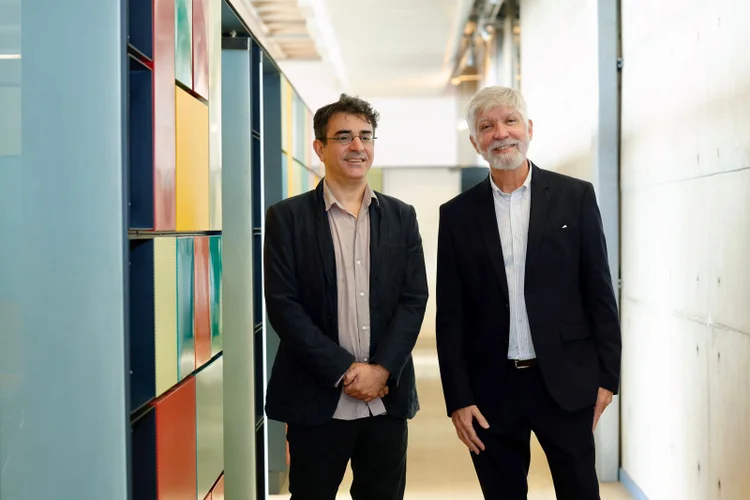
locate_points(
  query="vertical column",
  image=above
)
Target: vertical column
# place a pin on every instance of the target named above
(239, 351)
(606, 180)
(70, 376)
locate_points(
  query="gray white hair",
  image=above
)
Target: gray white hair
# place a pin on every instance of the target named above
(491, 97)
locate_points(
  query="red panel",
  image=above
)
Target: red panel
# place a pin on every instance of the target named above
(175, 443)
(200, 47)
(202, 302)
(164, 116)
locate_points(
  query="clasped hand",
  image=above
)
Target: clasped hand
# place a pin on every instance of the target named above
(365, 381)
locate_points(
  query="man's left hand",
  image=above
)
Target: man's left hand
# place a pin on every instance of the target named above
(603, 399)
(365, 381)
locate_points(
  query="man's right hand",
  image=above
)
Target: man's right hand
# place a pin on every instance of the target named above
(463, 420)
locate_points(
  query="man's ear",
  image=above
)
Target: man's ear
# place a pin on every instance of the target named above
(531, 129)
(318, 147)
(474, 143)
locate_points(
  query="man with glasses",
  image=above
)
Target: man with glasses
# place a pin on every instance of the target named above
(346, 291)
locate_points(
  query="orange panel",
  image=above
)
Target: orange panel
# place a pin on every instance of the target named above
(176, 443)
(192, 163)
(202, 302)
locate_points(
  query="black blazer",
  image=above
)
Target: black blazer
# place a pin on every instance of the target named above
(301, 300)
(568, 289)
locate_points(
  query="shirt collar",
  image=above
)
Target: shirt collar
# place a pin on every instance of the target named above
(331, 200)
(526, 183)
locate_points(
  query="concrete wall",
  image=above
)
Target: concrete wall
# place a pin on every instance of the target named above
(685, 183)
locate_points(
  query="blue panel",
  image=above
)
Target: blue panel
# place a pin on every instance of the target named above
(185, 308)
(141, 147)
(143, 436)
(141, 26)
(257, 186)
(256, 79)
(257, 277)
(142, 342)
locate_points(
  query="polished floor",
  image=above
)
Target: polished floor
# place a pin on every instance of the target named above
(439, 466)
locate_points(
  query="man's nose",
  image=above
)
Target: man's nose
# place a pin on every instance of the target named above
(500, 132)
(356, 144)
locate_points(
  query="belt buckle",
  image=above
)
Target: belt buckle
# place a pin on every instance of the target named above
(522, 367)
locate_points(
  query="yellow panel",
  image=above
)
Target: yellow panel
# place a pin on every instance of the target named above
(291, 173)
(165, 304)
(192, 163)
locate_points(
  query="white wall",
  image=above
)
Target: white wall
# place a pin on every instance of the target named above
(558, 79)
(686, 240)
(416, 132)
(426, 189)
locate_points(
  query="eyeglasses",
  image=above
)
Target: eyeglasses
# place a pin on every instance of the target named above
(345, 139)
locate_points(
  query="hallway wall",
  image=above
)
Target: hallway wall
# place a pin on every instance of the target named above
(685, 179)
(558, 71)
(426, 189)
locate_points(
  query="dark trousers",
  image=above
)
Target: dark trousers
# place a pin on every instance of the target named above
(566, 438)
(375, 445)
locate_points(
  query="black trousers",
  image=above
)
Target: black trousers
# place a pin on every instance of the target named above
(375, 445)
(566, 438)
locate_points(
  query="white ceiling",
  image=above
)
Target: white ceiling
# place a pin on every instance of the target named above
(396, 48)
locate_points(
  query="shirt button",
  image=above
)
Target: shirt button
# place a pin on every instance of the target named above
(366, 360)
(364, 328)
(358, 262)
(361, 294)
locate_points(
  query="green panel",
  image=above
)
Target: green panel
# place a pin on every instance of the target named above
(183, 42)
(215, 294)
(209, 399)
(185, 307)
(375, 179)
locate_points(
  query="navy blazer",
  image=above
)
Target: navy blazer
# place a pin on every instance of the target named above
(569, 296)
(301, 300)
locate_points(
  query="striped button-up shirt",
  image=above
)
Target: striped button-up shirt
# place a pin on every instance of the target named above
(512, 211)
(351, 243)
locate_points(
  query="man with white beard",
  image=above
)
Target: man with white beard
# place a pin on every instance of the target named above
(527, 324)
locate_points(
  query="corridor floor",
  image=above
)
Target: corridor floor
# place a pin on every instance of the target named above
(439, 467)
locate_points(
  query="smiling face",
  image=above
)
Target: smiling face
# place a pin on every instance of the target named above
(347, 162)
(503, 137)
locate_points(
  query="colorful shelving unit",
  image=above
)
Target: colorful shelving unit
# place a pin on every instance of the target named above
(175, 250)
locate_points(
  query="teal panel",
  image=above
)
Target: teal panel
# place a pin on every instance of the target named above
(215, 294)
(185, 308)
(183, 42)
(209, 417)
(305, 178)
(284, 177)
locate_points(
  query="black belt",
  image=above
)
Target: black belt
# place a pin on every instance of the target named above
(520, 364)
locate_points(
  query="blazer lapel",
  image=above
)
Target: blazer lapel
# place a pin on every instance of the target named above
(325, 247)
(377, 218)
(538, 216)
(490, 233)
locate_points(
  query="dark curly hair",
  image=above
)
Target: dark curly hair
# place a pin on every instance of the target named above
(346, 104)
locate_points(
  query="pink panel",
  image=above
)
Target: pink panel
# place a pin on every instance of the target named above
(164, 116)
(202, 302)
(200, 47)
(218, 493)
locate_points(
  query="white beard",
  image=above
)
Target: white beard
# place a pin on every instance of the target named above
(507, 161)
